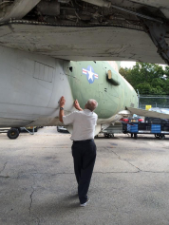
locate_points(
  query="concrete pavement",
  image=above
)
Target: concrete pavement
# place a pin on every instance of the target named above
(129, 186)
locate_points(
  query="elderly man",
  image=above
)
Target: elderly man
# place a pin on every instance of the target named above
(83, 148)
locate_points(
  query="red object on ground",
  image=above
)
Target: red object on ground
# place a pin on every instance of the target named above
(126, 120)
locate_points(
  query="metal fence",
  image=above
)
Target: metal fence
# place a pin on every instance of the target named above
(160, 101)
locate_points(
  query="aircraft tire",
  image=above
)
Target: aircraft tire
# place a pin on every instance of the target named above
(13, 133)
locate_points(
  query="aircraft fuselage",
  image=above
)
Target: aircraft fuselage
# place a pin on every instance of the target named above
(31, 86)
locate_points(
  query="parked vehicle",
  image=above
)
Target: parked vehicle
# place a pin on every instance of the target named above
(136, 119)
(62, 129)
(14, 132)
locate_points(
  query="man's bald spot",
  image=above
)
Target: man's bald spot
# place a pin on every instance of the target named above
(91, 104)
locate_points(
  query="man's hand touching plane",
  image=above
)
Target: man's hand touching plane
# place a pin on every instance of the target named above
(77, 106)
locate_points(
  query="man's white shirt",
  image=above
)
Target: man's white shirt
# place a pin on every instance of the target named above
(83, 122)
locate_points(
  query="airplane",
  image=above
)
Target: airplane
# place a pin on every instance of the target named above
(50, 49)
(31, 86)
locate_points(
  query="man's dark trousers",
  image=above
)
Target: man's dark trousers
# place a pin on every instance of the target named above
(84, 155)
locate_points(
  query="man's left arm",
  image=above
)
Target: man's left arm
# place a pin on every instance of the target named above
(61, 112)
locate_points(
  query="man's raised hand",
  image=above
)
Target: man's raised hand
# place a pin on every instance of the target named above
(62, 101)
(76, 105)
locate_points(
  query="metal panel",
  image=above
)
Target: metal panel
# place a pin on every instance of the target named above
(75, 43)
(43, 72)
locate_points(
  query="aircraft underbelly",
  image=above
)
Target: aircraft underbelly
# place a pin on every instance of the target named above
(81, 43)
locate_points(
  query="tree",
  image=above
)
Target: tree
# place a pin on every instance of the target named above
(144, 88)
(148, 78)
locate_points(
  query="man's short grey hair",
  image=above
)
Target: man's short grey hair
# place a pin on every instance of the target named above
(91, 104)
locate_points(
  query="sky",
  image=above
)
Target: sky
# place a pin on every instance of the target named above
(127, 64)
(130, 64)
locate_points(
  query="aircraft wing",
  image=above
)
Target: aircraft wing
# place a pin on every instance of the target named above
(146, 113)
(88, 29)
(82, 43)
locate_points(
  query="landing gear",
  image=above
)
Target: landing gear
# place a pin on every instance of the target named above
(13, 133)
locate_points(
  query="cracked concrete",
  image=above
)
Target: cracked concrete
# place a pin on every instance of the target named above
(129, 185)
(31, 199)
(128, 162)
(3, 167)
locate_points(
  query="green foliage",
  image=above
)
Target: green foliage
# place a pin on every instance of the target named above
(147, 78)
(158, 82)
(144, 87)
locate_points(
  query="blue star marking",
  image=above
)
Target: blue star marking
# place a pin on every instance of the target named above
(90, 74)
